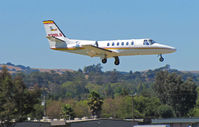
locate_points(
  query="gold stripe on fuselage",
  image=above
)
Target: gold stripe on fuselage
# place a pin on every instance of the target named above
(110, 48)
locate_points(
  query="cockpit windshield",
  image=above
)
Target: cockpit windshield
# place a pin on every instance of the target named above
(148, 42)
(151, 41)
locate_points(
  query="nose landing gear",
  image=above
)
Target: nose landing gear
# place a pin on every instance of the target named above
(161, 59)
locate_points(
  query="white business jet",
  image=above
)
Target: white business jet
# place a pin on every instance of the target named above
(103, 49)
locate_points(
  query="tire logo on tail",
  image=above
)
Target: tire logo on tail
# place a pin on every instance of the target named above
(51, 29)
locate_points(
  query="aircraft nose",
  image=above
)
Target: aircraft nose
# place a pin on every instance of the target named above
(173, 49)
(169, 49)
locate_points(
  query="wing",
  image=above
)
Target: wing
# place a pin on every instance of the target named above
(97, 51)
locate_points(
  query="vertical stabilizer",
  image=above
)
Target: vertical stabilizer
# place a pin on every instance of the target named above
(55, 36)
(53, 30)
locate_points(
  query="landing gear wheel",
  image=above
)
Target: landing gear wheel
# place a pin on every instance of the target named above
(117, 61)
(104, 60)
(161, 58)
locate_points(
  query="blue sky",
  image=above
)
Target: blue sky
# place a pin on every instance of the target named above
(170, 22)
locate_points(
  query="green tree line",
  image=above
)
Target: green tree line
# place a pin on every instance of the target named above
(160, 93)
(78, 84)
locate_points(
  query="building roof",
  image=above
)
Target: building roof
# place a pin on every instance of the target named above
(175, 120)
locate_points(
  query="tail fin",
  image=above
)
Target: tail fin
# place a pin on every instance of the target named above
(53, 31)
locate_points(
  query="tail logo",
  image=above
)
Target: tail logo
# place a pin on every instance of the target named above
(51, 29)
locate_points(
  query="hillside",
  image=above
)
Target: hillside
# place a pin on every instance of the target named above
(12, 68)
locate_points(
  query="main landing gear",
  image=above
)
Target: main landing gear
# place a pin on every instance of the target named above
(104, 60)
(161, 59)
(117, 61)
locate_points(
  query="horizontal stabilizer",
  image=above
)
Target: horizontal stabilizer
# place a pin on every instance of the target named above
(52, 38)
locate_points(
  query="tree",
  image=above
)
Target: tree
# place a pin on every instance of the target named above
(165, 111)
(146, 107)
(7, 106)
(67, 112)
(93, 68)
(109, 108)
(32, 102)
(123, 107)
(38, 112)
(195, 112)
(173, 91)
(53, 109)
(16, 101)
(160, 86)
(113, 76)
(81, 108)
(95, 104)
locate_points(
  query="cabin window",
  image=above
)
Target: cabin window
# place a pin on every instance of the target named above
(146, 42)
(127, 43)
(108, 44)
(118, 44)
(122, 43)
(113, 44)
(132, 43)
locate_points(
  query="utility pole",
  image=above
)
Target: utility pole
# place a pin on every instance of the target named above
(133, 107)
(43, 103)
(132, 110)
